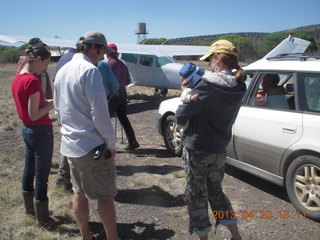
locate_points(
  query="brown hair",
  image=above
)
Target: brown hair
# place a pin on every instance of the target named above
(36, 51)
(231, 62)
(82, 46)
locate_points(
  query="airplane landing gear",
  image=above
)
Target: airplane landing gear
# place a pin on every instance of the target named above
(161, 91)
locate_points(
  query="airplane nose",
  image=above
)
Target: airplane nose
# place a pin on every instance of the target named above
(171, 72)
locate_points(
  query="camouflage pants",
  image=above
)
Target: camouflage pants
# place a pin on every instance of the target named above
(204, 175)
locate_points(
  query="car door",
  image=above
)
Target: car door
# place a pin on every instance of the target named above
(262, 132)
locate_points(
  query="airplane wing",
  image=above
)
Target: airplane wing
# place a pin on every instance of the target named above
(162, 50)
(52, 42)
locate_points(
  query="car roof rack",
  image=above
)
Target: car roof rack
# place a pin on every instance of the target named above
(294, 56)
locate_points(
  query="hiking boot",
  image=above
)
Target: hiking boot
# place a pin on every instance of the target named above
(43, 217)
(132, 146)
(28, 202)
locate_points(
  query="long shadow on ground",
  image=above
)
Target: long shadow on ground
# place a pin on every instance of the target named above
(135, 231)
(131, 170)
(150, 152)
(152, 104)
(151, 196)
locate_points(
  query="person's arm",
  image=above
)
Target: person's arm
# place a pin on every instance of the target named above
(114, 83)
(188, 110)
(128, 78)
(56, 100)
(194, 97)
(34, 111)
(49, 92)
(185, 95)
(110, 82)
(96, 96)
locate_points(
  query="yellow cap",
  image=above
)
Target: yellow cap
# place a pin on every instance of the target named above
(221, 46)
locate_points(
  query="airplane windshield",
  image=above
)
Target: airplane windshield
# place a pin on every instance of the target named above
(164, 60)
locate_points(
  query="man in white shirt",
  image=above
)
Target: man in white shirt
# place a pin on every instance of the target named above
(87, 133)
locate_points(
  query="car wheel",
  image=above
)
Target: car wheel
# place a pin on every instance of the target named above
(303, 185)
(172, 136)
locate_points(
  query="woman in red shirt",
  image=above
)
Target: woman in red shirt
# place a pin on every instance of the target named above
(33, 109)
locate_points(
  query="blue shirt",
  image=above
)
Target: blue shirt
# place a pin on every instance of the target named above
(110, 82)
(65, 58)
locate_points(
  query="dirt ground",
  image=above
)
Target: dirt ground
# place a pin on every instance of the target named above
(150, 202)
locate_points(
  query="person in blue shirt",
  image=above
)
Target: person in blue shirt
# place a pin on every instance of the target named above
(110, 83)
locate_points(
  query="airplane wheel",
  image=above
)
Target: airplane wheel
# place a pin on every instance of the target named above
(164, 91)
(172, 136)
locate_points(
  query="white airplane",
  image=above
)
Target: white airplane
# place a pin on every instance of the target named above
(149, 65)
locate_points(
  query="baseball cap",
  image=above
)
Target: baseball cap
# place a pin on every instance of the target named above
(94, 37)
(221, 46)
(191, 73)
(36, 41)
(114, 47)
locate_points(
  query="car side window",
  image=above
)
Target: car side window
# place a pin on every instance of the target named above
(271, 91)
(312, 92)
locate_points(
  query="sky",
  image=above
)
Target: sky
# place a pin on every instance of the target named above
(118, 20)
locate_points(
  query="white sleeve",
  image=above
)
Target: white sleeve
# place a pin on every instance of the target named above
(56, 95)
(186, 95)
(97, 99)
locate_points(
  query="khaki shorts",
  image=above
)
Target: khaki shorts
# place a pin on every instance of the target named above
(95, 178)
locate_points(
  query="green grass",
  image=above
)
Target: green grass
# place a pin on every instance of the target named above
(178, 174)
(14, 223)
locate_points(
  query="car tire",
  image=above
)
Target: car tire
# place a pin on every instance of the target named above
(172, 135)
(303, 185)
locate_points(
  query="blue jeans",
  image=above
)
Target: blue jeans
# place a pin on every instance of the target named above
(38, 158)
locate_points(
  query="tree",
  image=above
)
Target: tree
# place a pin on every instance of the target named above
(243, 45)
(11, 55)
(23, 47)
(271, 40)
(200, 43)
(313, 45)
(154, 41)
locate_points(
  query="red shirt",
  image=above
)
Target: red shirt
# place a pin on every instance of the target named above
(19, 67)
(23, 86)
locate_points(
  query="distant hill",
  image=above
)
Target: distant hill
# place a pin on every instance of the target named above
(255, 36)
(311, 29)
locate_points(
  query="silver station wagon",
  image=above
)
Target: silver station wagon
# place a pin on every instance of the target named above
(276, 135)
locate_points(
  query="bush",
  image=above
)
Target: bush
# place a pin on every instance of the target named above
(11, 55)
(244, 46)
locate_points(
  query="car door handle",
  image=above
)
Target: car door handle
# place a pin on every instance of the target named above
(289, 130)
